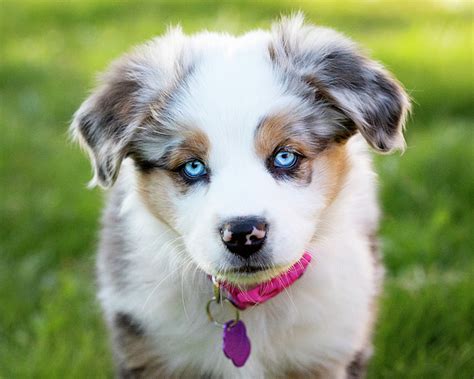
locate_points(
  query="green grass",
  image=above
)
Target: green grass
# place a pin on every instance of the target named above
(50, 324)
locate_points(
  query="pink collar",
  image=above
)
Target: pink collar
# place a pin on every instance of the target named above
(243, 299)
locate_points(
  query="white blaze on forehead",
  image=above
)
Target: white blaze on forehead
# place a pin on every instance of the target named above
(231, 88)
(259, 234)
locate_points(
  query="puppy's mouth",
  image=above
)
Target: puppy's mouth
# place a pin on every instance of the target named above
(247, 269)
(251, 274)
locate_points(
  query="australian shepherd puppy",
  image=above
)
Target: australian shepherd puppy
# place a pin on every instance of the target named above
(231, 162)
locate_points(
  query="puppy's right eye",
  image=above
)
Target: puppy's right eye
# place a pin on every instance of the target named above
(285, 159)
(194, 169)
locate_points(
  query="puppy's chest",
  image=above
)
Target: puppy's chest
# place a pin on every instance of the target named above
(280, 331)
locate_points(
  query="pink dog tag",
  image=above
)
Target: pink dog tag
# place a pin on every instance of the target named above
(235, 343)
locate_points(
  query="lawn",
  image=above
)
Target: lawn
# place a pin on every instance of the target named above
(50, 324)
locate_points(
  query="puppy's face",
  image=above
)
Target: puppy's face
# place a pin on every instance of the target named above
(239, 143)
(246, 178)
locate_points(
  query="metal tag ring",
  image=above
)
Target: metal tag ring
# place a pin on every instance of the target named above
(211, 317)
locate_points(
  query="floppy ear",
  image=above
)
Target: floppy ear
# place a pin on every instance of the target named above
(341, 75)
(107, 121)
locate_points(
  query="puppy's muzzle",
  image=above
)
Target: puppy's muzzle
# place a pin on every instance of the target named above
(244, 236)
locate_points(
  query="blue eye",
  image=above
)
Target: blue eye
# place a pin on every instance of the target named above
(285, 159)
(194, 169)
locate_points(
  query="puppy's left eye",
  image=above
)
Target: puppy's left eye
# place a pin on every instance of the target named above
(194, 169)
(285, 159)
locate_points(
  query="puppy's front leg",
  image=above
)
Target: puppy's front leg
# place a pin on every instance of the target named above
(133, 353)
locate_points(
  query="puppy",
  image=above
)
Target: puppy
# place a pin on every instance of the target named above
(232, 163)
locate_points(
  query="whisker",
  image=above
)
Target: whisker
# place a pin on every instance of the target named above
(189, 263)
(158, 285)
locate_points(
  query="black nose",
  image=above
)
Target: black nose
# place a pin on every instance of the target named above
(244, 236)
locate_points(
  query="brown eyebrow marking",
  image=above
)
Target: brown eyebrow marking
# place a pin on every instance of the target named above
(195, 145)
(289, 130)
(282, 130)
(170, 151)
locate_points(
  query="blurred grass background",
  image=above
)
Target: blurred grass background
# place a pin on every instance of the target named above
(50, 325)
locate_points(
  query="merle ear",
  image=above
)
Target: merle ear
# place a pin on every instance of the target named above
(358, 87)
(107, 121)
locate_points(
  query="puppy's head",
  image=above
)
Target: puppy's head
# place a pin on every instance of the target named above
(239, 143)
